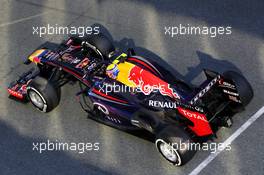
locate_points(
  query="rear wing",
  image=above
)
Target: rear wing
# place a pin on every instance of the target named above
(216, 80)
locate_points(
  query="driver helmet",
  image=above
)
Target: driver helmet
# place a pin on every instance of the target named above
(112, 71)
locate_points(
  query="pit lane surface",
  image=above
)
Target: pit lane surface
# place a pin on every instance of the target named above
(139, 24)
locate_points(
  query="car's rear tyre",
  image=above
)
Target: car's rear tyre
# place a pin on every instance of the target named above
(43, 94)
(169, 143)
(243, 87)
(103, 46)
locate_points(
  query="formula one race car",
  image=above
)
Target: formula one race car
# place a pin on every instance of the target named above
(129, 92)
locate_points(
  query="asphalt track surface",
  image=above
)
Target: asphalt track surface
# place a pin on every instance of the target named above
(139, 24)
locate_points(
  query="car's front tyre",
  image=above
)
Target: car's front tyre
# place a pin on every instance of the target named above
(43, 94)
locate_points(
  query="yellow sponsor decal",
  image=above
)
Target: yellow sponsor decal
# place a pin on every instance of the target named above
(124, 70)
(123, 75)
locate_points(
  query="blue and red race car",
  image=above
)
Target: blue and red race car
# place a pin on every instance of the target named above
(129, 92)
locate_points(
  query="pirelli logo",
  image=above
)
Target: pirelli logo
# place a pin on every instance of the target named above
(205, 90)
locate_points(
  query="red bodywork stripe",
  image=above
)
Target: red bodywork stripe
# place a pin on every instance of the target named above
(72, 72)
(107, 96)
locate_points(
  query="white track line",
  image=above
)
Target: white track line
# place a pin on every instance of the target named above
(20, 20)
(228, 141)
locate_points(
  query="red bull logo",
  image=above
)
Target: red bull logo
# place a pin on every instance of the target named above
(36, 60)
(147, 82)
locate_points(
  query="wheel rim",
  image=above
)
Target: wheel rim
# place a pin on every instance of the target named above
(168, 152)
(36, 99)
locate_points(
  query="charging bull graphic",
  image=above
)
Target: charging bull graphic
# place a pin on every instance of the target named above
(147, 82)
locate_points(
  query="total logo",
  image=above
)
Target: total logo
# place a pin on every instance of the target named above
(192, 115)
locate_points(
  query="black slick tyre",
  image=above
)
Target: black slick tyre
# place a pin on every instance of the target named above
(169, 143)
(43, 94)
